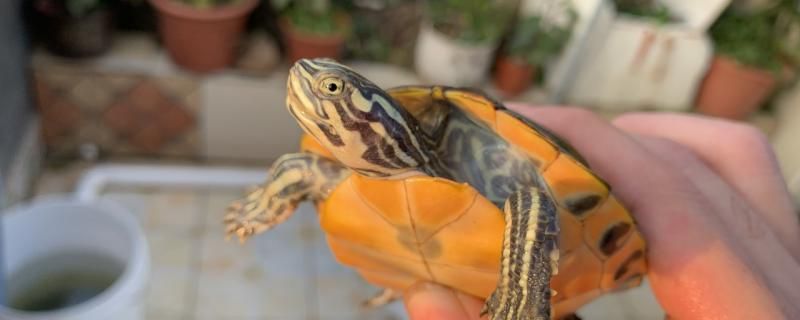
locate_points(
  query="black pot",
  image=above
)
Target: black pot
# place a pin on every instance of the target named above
(75, 37)
(135, 16)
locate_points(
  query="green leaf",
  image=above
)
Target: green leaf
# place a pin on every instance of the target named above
(536, 41)
(472, 21)
(749, 39)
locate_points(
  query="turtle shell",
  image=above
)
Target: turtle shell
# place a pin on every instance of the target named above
(397, 232)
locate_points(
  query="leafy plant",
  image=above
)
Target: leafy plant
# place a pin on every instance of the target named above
(78, 8)
(536, 41)
(473, 21)
(366, 42)
(310, 16)
(748, 39)
(787, 31)
(74, 8)
(652, 9)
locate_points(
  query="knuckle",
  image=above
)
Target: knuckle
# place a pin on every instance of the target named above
(747, 143)
(579, 114)
(743, 135)
(628, 117)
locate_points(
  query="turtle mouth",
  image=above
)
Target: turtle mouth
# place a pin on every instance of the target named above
(293, 102)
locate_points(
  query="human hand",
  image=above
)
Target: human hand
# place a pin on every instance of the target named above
(724, 240)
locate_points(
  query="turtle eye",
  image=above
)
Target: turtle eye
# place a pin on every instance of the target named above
(331, 86)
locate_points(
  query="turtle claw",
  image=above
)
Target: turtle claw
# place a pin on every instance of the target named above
(384, 297)
(251, 215)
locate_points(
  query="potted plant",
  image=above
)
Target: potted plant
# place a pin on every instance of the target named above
(754, 6)
(202, 35)
(534, 41)
(135, 15)
(74, 28)
(743, 73)
(312, 28)
(458, 38)
(384, 31)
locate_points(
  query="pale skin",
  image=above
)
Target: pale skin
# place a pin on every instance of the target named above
(724, 237)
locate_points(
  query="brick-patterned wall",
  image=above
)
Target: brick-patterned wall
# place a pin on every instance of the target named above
(121, 113)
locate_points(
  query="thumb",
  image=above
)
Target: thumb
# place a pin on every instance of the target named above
(428, 301)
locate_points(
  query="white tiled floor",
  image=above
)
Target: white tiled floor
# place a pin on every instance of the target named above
(284, 274)
(287, 273)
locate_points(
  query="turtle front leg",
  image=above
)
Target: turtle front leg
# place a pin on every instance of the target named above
(529, 258)
(386, 296)
(294, 178)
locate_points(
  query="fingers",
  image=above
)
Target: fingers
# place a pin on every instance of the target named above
(740, 154)
(428, 301)
(761, 250)
(694, 271)
(616, 157)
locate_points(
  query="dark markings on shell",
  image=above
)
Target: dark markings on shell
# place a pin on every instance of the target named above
(612, 239)
(581, 204)
(406, 237)
(432, 248)
(625, 266)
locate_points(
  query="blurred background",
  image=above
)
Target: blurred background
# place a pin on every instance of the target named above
(175, 87)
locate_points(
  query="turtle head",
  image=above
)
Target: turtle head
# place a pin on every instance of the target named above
(364, 128)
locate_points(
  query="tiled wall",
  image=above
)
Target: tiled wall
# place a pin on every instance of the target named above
(121, 113)
(134, 102)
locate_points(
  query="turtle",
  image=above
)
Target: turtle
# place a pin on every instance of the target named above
(445, 184)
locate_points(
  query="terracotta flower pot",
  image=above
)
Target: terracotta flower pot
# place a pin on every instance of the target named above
(512, 76)
(731, 90)
(302, 45)
(202, 40)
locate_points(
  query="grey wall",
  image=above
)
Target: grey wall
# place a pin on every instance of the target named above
(15, 110)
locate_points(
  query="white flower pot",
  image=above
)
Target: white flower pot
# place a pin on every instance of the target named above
(49, 243)
(441, 60)
(618, 62)
(784, 139)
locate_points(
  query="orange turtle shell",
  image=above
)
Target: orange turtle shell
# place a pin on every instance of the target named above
(397, 232)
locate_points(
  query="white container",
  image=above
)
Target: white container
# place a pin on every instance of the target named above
(441, 60)
(619, 62)
(785, 139)
(54, 226)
